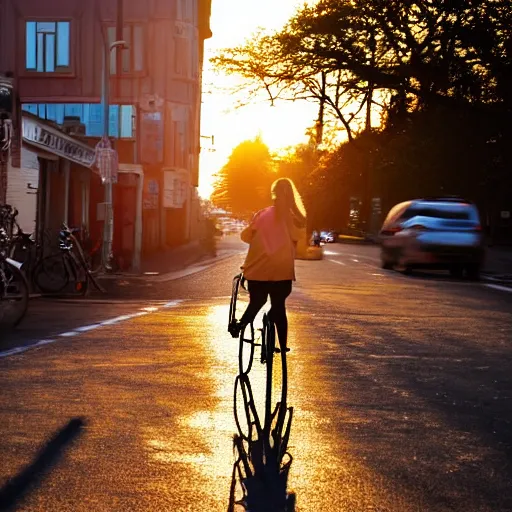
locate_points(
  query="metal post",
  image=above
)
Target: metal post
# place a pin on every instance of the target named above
(108, 226)
(108, 222)
(119, 59)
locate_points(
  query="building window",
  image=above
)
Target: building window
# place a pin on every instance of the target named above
(91, 114)
(47, 46)
(133, 60)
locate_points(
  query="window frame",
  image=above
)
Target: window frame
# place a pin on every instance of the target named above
(144, 51)
(59, 71)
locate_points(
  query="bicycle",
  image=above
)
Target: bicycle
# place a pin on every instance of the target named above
(14, 290)
(263, 462)
(53, 273)
(92, 249)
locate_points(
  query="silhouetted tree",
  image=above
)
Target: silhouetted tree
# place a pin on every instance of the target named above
(439, 71)
(242, 186)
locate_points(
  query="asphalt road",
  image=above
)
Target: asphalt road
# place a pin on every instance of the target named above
(402, 390)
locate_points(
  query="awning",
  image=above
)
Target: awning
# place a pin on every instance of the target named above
(39, 134)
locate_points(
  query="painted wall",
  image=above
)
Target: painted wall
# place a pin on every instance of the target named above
(18, 193)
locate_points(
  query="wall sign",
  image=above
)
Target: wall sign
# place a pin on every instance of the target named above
(58, 143)
(175, 188)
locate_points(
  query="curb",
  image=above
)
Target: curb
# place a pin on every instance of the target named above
(167, 276)
(117, 297)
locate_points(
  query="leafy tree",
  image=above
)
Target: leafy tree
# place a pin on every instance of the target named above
(439, 72)
(342, 52)
(242, 186)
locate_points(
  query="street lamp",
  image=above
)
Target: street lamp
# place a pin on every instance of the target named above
(108, 226)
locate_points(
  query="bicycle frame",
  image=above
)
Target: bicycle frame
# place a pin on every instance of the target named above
(263, 462)
(82, 263)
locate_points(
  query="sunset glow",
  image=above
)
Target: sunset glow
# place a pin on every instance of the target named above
(280, 126)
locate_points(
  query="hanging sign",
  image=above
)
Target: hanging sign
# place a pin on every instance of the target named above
(58, 143)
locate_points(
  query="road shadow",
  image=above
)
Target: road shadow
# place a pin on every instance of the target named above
(31, 476)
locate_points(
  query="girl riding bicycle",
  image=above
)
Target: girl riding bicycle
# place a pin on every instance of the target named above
(269, 267)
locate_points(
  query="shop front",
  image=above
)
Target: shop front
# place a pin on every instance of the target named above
(65, 165)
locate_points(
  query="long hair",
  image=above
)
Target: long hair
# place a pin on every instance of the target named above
(287, 199)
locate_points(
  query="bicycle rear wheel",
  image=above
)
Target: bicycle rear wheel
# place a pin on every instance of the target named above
(50, 274)
(14, 296)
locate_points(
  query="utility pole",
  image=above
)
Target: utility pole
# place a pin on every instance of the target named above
(119, 57)
(108, 227)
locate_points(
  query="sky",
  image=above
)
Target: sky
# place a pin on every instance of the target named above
(281, 126)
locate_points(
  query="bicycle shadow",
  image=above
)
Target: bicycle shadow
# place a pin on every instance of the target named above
(260, 472)
(32, 475)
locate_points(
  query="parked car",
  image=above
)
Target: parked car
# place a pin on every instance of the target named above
(438, 233)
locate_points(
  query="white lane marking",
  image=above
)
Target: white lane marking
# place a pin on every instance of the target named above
(499, 287)
(338, 262)
(44, 342)
(172, 303)
(12, 351)
(86, 328)
(360, 256)
(123, 318)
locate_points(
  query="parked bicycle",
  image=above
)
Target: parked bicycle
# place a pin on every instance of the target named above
(68, 268)
(91, 247)
(14, 290)
(262, 465)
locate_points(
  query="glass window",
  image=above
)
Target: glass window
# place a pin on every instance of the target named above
(138, 48)
(47, 46)
(46, 27)
(63, 41)
(30, 107)
(90, 114)
(96, 113)
(113, 123)
(31, 45)
(41, 110)
(40, 52)
(126, 121)
(127, 52)
(51, 112)
(72, 109)
(132, 57)
(440, 213)
(50, 53)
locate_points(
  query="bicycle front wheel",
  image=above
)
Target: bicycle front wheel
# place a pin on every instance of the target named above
(51, 275)
(14, 296)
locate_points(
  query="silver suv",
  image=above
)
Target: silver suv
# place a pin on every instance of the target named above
(441, 233)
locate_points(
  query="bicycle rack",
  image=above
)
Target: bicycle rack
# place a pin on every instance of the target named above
(262, 462)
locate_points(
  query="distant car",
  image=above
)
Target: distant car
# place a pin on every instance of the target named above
(440, 233)
(327, 237)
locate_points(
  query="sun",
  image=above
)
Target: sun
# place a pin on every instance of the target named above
(280, 126)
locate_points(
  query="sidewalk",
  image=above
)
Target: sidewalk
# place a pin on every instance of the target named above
(164, 266)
